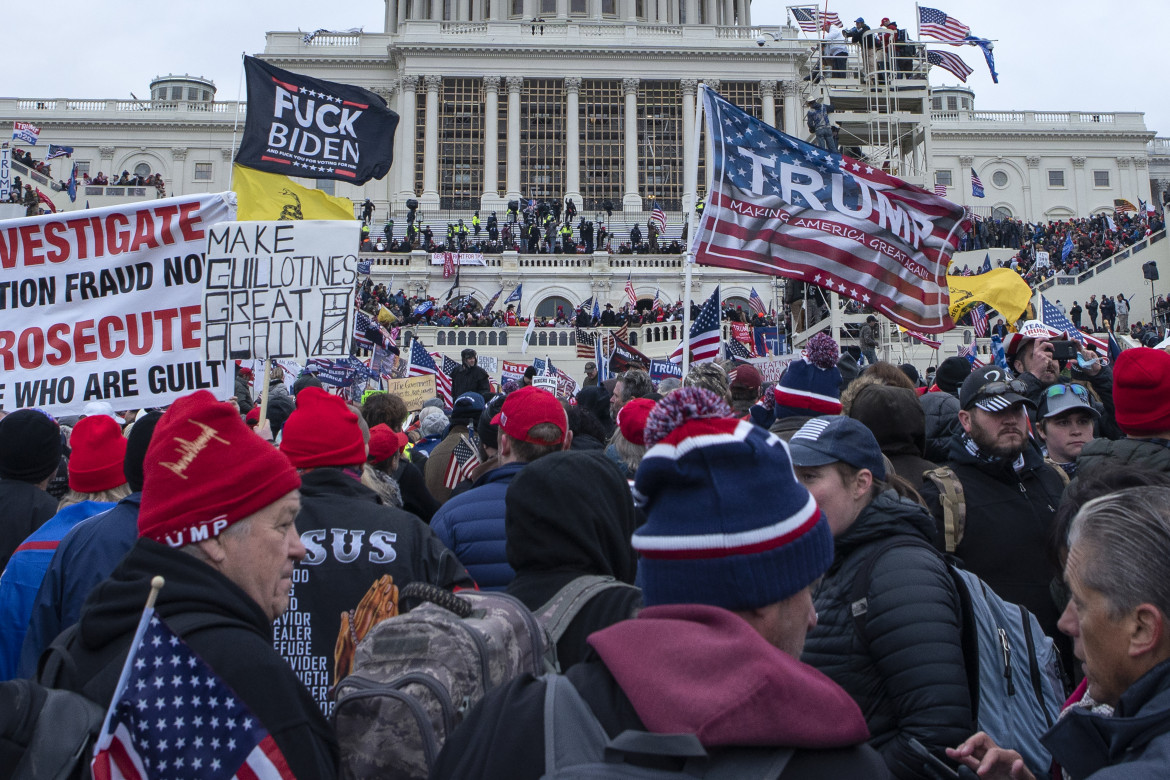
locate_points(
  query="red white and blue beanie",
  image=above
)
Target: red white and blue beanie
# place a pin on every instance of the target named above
(727, 522)
(812, 385)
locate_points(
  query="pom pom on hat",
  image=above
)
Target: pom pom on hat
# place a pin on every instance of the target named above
(1141, 391)
(811, 386)
(322, 432)
(98, 453)
(822, 351)
(679, 406)
(632, 418)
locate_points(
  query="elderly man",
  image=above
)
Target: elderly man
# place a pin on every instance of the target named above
(1119, 621)
(218, 522)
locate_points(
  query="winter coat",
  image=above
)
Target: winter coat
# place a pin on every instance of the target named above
(1009, 526)
(25, 509)
(645, 679)
(905, 670)
(238, 648)
(470, 379)
(243, 393)
(22, 579)
(898, 422)
(85, 557)
(352, 539)
(1140, 453)
(942, 423)
(870, 335)
(416, 499)
(437, 462)
(1132, 744)
(472, 525)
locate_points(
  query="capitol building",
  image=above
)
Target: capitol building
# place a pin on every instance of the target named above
(594, 100)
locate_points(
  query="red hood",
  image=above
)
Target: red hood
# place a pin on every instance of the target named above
(703, 670)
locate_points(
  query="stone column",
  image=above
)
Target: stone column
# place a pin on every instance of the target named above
(491, 140)
(1125, 184)
(515, 84)
(406, 131)
(728, 13)
(389, 93)
(791, 109)
(966, 165)
(688, 87)
(768, 100)
(562, 9)
(1032, 187)
(1080, 190)
(594, 9)
(436, 10)
(692, 11)
(745, 18)
(391, 16)
(431, 142)
(630, 198)
(1141, 175)
(631, 10)
(573, 140)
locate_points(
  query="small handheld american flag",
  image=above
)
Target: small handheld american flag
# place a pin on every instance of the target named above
(463, 461)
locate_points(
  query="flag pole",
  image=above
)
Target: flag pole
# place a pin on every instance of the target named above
(264, 394)
(236, 125)
(689, 260)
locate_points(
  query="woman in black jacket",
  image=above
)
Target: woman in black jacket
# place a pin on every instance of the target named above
(894, 642)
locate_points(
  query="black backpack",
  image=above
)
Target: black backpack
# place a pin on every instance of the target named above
(46, 734)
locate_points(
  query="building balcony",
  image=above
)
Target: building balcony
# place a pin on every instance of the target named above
(1080, 121)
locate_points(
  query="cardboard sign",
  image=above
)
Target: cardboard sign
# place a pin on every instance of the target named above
(413, 390)
(772, 370)
(280, 289)
(105, 305)
(488, 363)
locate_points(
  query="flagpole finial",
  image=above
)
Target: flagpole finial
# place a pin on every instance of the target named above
(156, 584)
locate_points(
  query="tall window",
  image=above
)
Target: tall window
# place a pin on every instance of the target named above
(609, 7)
(943, 177)
(420, 129)
(1056, 178)
(460, 143)
(82, 168)
(542, 139)
(660, 136)
(548, 7)
(602, 157)
(1100, 178)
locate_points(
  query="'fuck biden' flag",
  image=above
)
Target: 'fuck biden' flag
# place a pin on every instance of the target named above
(301, 126)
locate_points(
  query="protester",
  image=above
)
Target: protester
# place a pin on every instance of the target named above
(464, 414)
(941, 404)
(898, 422)
(632, 384)
(718, 601)
(627, 446)
(744, 385)
(30, 452)
(469, 377)
(1142, 398)
(1065, 424)
(809, 387)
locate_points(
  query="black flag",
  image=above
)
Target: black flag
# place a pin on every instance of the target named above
(301, 126)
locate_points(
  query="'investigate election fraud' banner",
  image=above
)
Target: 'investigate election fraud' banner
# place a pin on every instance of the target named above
(106, 305)
(280, 290)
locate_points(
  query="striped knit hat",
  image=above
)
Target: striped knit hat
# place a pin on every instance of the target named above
(812, 385)
(727, 523)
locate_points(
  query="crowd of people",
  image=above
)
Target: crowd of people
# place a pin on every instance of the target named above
(807, 528)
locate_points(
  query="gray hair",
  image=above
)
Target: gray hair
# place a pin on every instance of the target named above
(1124, 548)
(669, 384)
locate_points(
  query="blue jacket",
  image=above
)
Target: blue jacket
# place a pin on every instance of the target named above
(22, 578)
(87, 555)
(471, 524)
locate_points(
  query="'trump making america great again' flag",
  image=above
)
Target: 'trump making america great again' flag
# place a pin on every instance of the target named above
(779, 206)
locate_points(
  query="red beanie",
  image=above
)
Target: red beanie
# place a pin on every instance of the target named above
(384, 442)
(1141, 391)
(322, 432)
(95, 464)
(206, 470)
(632, 418)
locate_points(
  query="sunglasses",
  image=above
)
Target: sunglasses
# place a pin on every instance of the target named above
(1056, 391)
(999, 388)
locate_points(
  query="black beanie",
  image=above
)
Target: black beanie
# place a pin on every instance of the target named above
(951, 373)
(303, 381)
(136, 444)
(30, 446)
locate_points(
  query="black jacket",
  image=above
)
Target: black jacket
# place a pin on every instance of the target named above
(1009, 526)
(416, 499)
(23, 509)
(942, 423)
(469, 379)
(352, 540)
(1139, 453)
(906, 670)
(239, 650)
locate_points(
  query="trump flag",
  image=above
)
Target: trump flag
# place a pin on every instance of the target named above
(779, 206)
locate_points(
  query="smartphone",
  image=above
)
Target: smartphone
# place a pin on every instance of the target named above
(932, 763)
(1064, 350)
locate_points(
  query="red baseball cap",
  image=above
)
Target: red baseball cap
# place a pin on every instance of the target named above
(528, 407)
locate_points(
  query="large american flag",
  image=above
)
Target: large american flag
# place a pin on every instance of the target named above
(173, 717)
(811, 18)
(586, 343)
(443, 379)
(949, 61)
(936, 24)
(756, 304)
(1054, 319)
(783, 207)
(463, 461)
(658, 217)
(704, 337)
(422, 364)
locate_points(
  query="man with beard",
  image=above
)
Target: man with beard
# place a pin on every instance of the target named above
(1010, 495)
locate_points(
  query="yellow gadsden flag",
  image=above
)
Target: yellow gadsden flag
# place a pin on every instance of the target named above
(264, 196)
(1002, 289)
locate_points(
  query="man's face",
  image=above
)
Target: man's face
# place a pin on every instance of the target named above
(591, 372)
(615, 400)
(470, 361)
(260, 558)
(1067, 434)
(1002, 434)
(787, 623)
(1100, 641)
(1036, 359)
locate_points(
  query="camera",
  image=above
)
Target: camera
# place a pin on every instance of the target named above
(1064, 350)
(760, 41)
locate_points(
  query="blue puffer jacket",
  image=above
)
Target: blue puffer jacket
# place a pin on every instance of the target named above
(471, 524)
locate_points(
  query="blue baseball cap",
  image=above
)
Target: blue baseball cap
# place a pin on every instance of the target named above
(837, 439)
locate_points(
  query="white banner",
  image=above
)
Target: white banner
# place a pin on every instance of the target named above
(106, 305)
(280, 290)
(458, 258)
(5, 173)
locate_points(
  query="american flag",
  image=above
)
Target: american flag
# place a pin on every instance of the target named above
(976, 184)
(1054, 319)
(979, 320)
(922, 338)
(630, 294)
(783, 207)
(422, 364)
(936, 24)
(972, 356)
(940, 190)
(704, 337)
(811, 18)
(949, 61)
(369, 334)
(756, 304)
(463, 461)
(172, 716)
(742, 333)
(735, 350)
(443, 379)
(586, 343)
(658, 217)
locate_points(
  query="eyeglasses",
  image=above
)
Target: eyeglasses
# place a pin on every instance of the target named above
(1056, 391)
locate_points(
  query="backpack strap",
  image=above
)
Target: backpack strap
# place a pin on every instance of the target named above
(559, 611)
(572, 733)
(954, 504)
(859, 588)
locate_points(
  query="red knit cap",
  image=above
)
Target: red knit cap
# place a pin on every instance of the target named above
(322, 432)
(384, 442)
(95, 464)
(1141, 391)
(631, 419)
(206, 470)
